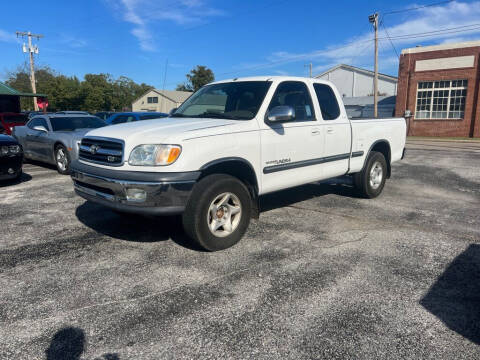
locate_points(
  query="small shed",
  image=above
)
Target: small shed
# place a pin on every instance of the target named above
(10, 98)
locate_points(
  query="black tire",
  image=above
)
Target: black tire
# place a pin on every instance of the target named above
(362, 179)
(196, 216)
(19, 175)
(66, 169)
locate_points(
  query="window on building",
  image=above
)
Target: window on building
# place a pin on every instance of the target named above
(152, 100)
(441, 99)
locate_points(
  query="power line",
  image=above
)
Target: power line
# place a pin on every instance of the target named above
(388, 36)
(438, 32)
(417, 8)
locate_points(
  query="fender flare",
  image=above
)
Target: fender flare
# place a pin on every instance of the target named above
(389, 161)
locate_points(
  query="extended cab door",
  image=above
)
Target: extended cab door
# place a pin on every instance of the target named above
(337, 134)
(290, 150)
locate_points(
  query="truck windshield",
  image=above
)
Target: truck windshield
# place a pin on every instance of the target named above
(233, 100)
(73, 123)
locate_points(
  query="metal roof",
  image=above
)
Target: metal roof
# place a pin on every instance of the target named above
(368, 100)
(360, 70)
(7, 90)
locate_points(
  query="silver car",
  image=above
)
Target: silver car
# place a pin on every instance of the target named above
(55, 138)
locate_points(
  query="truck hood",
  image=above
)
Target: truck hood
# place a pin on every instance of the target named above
(157, 130)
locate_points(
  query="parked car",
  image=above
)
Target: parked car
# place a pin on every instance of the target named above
(120, 118)
(9, 120)
(31, 114)
(55, 139)
(11, 158)
(237, 140)
(72, 113)
(104, 115)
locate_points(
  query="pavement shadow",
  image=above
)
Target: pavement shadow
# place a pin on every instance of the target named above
(135, 228)
(69, 344)
(23, 178)
(455, 296)
(342, 186)
(41, 164)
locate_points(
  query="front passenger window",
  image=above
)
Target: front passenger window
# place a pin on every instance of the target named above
(296, 95)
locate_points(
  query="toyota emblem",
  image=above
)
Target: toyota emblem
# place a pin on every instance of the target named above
(94, 149)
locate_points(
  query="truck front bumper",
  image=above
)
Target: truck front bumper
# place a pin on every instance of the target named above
(133, 191)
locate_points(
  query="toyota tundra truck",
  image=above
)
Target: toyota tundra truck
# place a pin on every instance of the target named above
(231, 142)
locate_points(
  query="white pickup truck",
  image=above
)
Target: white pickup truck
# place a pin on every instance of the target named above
(229, 143)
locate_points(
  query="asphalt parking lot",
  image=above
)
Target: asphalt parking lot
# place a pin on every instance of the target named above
(322, 274)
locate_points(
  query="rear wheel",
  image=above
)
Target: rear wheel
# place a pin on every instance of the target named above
(62, 160)
(218, 212)
(371, 180)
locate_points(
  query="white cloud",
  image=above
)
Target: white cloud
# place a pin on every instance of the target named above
(358, 50)
(7, 36)
(143, 13)
(73, 42)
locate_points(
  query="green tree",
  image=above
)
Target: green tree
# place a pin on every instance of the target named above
(198, 77)
(96, 92)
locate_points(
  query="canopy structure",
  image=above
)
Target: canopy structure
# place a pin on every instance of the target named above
(7, 90)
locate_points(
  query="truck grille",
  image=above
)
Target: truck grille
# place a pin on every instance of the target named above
(102, 151)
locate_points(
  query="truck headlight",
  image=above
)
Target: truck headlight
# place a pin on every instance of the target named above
(153, 155)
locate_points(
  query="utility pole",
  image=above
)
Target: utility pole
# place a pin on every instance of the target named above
(373, 19)
(31, 50)
(310, 66)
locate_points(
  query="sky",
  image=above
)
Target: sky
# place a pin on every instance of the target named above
(158, 41)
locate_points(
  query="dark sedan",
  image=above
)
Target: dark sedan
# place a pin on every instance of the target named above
(11, 158)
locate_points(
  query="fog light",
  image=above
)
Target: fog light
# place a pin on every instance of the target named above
(11, 171)
(136, 195)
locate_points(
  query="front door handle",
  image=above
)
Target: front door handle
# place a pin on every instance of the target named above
(315, 131)
(329, 130)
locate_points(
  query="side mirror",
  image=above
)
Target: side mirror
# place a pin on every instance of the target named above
(172, 111)
(40, 128)
(281, 113)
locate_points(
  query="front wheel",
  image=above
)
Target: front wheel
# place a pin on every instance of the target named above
(370, 181)
(218, 212)
(62, 160)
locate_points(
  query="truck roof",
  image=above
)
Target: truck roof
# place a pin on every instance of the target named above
(277, 78)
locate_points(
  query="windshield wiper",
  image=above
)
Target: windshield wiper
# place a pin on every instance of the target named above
(209, 114)
(177, 115)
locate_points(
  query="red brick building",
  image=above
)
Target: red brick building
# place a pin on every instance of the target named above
(439, 85)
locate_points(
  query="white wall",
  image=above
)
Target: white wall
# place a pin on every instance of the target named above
(164, 105)
(353, 83)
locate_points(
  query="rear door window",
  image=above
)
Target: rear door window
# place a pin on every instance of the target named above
(327, 101)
